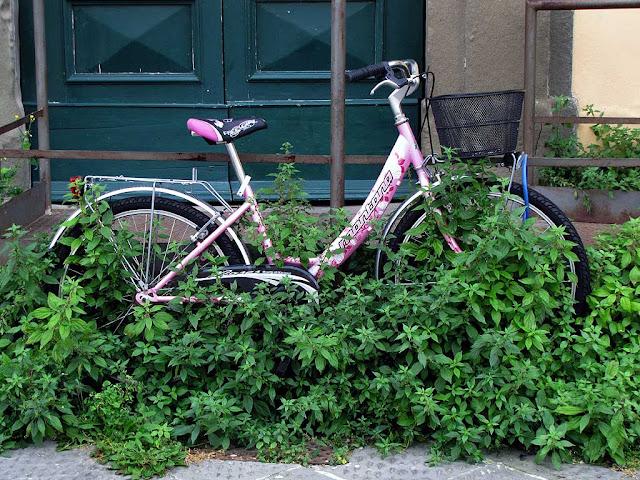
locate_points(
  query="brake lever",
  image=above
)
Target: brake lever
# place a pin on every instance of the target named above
(387, 82)
(390, 80)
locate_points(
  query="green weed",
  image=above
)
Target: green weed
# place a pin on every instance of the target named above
(480, 351)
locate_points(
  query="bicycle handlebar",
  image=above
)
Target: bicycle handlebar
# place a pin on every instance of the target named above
(376, 70)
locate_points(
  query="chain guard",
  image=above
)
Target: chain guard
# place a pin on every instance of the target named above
(247, 277)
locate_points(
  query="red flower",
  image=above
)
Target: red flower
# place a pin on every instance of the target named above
(74, 185)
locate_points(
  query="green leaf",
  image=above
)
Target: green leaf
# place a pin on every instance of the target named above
(195, 433)
(54, 422)
(634, 275)
(65, 331)
(320, 363)
(569, 410)
(106, 232)
(612, 369)
(42, 313)
(46, 337)
(247, 403)
(517, 290)
(625, 304)
(584, 422)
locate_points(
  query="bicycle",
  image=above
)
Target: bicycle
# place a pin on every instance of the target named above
(167, 228)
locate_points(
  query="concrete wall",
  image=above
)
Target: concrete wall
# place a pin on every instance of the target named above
(10, 101)
(605, 63)
(478, 45)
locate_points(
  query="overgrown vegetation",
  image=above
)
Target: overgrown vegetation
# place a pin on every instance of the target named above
(612, 141)
(482, 351)
(7, 174)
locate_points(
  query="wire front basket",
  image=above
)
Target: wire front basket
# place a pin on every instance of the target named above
(479, 124)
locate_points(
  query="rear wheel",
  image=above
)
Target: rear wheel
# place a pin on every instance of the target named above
(146, 242)
(545, 215)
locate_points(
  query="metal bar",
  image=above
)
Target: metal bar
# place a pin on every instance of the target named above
(581, 4)
(42, 89)
(19, 122)
(529, 119)
(188, 156)
(583, 162)
(338, 65)
(528, 132)
(589, 120)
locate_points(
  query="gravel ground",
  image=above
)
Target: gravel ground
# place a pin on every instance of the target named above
(44, 463)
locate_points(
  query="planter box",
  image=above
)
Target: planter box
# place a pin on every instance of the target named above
(23, 209)
(604, 207)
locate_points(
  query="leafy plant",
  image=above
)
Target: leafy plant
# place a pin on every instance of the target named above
(289, 221)
(475, 351)
(131, 443)
(7, 174)
(286, 148)
(612, 141)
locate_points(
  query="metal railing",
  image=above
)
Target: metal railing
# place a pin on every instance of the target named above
(529, 117)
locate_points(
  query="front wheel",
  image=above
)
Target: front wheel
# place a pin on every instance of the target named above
(544, 214)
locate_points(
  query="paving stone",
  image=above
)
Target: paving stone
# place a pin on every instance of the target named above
(45, 463)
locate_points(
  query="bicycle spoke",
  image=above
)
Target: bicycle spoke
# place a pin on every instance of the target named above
(117, 322)
(149, 242)
(176, 255)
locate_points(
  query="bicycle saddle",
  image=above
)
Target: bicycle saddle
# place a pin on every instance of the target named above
(226, 130)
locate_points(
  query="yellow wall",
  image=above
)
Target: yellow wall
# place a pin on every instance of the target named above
(606, 62)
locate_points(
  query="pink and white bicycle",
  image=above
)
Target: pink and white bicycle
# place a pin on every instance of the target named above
(169, 228)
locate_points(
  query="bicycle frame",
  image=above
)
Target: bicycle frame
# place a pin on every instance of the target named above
(404, 153)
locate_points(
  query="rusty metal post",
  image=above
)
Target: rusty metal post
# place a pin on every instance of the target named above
(528, 133)
(338, 64)
(529, 78)
(43, 96)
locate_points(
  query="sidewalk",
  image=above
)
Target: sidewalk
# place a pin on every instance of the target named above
(44, 463)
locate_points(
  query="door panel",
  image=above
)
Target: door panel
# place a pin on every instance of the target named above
(130, 39)
(295, 63)
(131, 128)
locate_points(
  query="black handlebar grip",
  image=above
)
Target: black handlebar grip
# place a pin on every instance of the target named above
(376, 70)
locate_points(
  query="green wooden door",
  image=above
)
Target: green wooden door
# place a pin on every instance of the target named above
(126, 75)
(277, 65)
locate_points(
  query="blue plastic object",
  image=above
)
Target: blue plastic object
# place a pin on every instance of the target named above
(525, 187)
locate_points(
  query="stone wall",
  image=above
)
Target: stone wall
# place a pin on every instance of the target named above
(10, 99)
(478, 46)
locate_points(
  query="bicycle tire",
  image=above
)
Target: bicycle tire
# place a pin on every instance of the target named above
(174, 225)
(544, 210)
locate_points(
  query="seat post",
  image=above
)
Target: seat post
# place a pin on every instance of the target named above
(235, 161)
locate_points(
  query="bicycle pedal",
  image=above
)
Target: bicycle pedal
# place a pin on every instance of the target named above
(283, 366)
